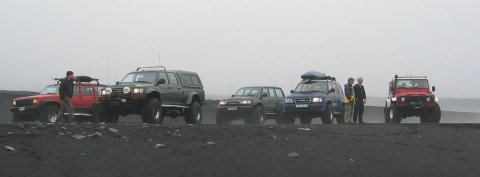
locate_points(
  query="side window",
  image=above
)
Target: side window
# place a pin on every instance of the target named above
(271, 92)
(330, 86)
(87, 90)
(195, 80)
(339, 89)
(279, 93)
(163, 76)
(265, 91)
(76, 90)
(186, 79)
(99, 90)
(172, 78)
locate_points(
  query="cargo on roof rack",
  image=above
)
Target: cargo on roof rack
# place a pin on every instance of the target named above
(314, 75)
(151, 68)
(85, 79)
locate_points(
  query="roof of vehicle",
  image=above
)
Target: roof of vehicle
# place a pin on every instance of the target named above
(173, 71)
(261, 87)
(315, 75)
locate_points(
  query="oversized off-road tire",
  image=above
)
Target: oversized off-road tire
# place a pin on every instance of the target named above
(256, 117)
(223, 119)
(194, 114)
(105, 114)
(341, 117)
(305, 120)
(393, 115)
(436, 114)
(17, 117)
(152, 112)
(96, 113)
(286, 119)
(328, 116)
(49, 114)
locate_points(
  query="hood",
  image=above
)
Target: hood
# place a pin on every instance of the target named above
(307, 95)
(131, 85)
(41, 97)
(413, 92)
(240, 98)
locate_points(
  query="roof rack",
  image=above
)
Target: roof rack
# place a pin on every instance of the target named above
(151, 67)
(79, 79)
(314, 75)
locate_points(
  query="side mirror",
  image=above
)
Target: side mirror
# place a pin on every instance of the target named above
(292, 91)
(433, 88)
(332, 90)
(233, 96)
(161, 81)
(117, 83)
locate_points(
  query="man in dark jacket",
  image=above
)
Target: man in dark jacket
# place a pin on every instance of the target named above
(360, 99)
(349, 101)
(66, 94)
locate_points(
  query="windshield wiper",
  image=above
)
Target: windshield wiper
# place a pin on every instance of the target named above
(142, 82)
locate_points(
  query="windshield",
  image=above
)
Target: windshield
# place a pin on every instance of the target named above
(248, 92)
(412, 83)
(319, 86)
(150, 77)
(51, 89)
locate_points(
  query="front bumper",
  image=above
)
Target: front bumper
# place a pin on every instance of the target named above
(302, 108)
(122, 99)
(235, 111)
(25, 110)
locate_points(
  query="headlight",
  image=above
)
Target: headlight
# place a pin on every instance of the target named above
(126, 90)
(14, 103)
(317, 100)
(107, 91)
(394, 99)
(403, 99)
(35, 101)
(222, 103)
(246, 102)
(289, 101)
(138, 90)
(429, 99)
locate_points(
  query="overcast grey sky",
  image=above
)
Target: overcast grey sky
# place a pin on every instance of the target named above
(252, 42)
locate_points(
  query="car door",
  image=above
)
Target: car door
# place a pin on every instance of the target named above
(77, 99)
(341, 96)
(175, 88)
(269, 100)
(279, 99)
(333, 95)
(88, 98)
(165, 93)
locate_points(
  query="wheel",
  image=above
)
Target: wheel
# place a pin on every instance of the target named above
(341, 117)
(106, 115)
(286, 119)
(223, 119)
(256, 117)
(393, 115)
(328, 116)
(436, 114)
(305, 120)
(194, 114)
(96, 113)
(152, 111)
(49, 114)
(22, 117)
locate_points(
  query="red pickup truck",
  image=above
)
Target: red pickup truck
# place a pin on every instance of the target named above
(46, 105)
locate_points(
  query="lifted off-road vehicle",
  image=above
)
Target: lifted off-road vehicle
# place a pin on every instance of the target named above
(45, 106)
(154, 92)
(409, 97)
(253, 104)
(317, 95)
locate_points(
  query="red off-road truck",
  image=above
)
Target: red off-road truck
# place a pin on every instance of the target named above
(45, 106)
(409, 97)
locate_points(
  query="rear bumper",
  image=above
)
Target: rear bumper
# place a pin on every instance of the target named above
(25, 110)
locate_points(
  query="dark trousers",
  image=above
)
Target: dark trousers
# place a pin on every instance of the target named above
(358, 111)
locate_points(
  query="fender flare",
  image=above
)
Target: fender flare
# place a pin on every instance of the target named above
(56, 102)
(190, 97)
(325, 105)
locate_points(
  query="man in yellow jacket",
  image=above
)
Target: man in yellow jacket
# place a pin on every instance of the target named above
(349, 101)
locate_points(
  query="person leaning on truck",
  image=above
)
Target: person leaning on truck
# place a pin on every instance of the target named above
(360, 99)
(349, 100)
(66, 94)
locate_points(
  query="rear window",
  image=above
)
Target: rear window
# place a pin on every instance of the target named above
(196, 80)
(186, 79)
(190, 80)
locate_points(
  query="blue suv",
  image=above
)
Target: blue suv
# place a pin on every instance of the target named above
(317, 95)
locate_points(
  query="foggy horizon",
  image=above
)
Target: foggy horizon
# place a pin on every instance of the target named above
(244, 43)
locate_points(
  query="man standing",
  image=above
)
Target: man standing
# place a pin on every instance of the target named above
(66, 94)
(360, 99)
(349, 100)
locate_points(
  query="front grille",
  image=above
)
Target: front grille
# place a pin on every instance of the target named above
(415, 99)
(303, 100)
(22, 103)
(233, 102)
(117, 90)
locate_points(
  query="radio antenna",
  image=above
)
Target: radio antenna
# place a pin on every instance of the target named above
(108, 66)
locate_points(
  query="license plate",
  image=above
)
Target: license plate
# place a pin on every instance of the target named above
(302, 105)
(123, 100)
(21, 108)
(233, 109)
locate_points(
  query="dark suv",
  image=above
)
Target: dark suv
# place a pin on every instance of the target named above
(317, 95)
(154, 92)
(253, 104)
